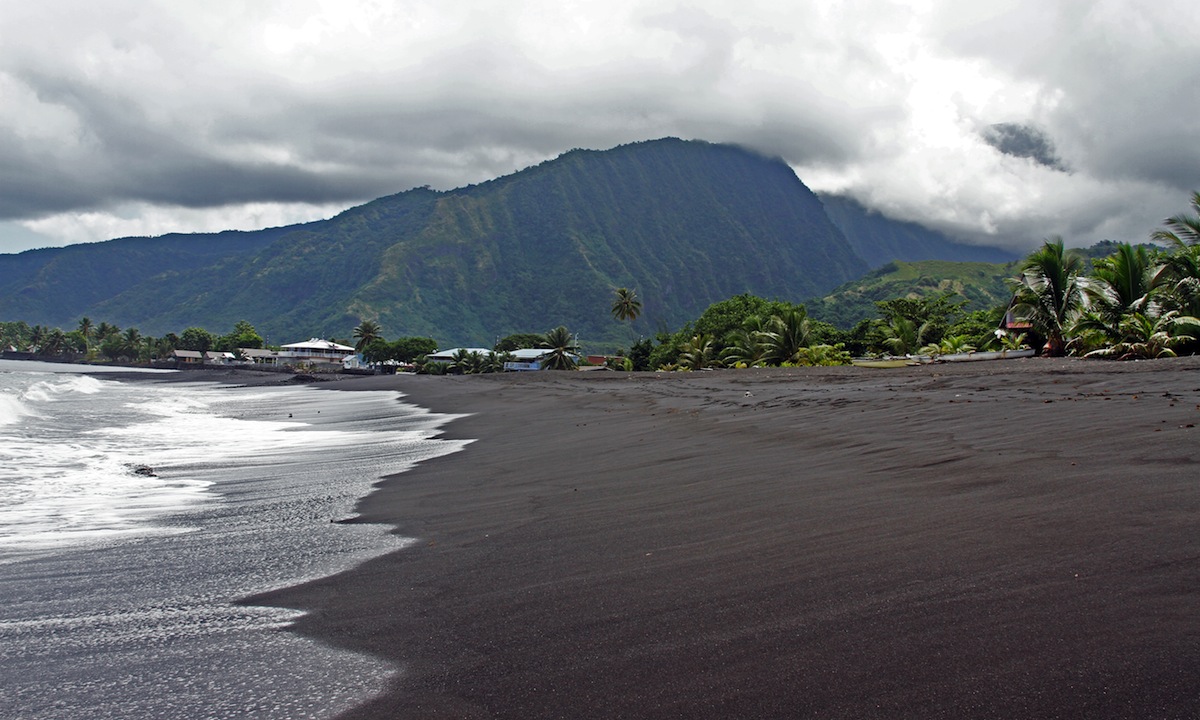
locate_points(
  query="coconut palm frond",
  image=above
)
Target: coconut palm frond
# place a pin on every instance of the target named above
(626, 306)
(699, 353)
(1049, 293)
(563, 349)
(1183, 230)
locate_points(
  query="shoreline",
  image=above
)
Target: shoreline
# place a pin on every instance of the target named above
(122, 592)
(1005, 539)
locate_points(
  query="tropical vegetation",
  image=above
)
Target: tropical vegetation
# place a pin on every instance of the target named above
(107, 342)
(1137, 302)
(1049, 292)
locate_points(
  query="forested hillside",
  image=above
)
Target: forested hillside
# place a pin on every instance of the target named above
(54, 285)
(683, 223)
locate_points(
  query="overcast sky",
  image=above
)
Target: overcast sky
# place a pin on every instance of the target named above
(139, 117)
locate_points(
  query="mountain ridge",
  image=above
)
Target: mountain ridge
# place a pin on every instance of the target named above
(880, 240)
(686, 223)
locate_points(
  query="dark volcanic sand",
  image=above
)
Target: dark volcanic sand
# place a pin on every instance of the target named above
(1015, 539)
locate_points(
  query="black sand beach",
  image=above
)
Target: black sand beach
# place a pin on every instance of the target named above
(1013, 539)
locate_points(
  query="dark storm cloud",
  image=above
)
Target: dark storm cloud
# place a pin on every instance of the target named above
(465, 112)
(120, 153)
(129, 109)
(1023, 141)
(1116, 85)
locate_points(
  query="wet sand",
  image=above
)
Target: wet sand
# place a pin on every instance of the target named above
(983, 540)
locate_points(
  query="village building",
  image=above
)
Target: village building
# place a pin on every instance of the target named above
(187, 357)
(315, 350)
(217, 357)
(526, 359)
(259, 356)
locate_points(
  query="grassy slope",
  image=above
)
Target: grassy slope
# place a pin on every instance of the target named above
(981, 284)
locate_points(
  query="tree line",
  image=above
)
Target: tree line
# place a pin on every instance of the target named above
(104, 341)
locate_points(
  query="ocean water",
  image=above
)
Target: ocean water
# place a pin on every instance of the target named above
(133, 516)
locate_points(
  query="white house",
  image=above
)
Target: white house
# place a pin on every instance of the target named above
(315, 350)
(526, 359)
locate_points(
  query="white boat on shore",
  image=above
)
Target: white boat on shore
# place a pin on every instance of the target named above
(973, 356)
(986, 355)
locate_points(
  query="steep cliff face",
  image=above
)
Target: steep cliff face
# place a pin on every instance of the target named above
(684, 223)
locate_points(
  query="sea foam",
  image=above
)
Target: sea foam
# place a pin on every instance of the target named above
(140, 573)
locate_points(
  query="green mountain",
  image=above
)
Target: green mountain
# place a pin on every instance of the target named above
(50, 285)
(684, 223)
(982, 285)
(880, 240)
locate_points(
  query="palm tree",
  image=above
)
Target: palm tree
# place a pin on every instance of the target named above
(1183, 229)
(1147, 336)
(1177, 279)
(367, 332)
(132, 343)
(950, 345)
(495, 361)
(902, 336)
(433, 367)
(742, 347)
(104, 331)
(465, 362)
(563, 349)
(55, 342)
(1120, 284)
(37, 337)
(1049, 293)
(698, 353)
(86, 329)
(784, 336)
(626, 306)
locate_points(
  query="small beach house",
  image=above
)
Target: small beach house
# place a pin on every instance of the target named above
(187, 357)
(216, 357)
(259, 356)
(526, 359)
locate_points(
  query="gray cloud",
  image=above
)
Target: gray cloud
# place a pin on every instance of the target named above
(1023, 141)
(136, 109)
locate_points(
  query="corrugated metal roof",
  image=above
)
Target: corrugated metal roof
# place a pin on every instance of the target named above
(529, 354)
